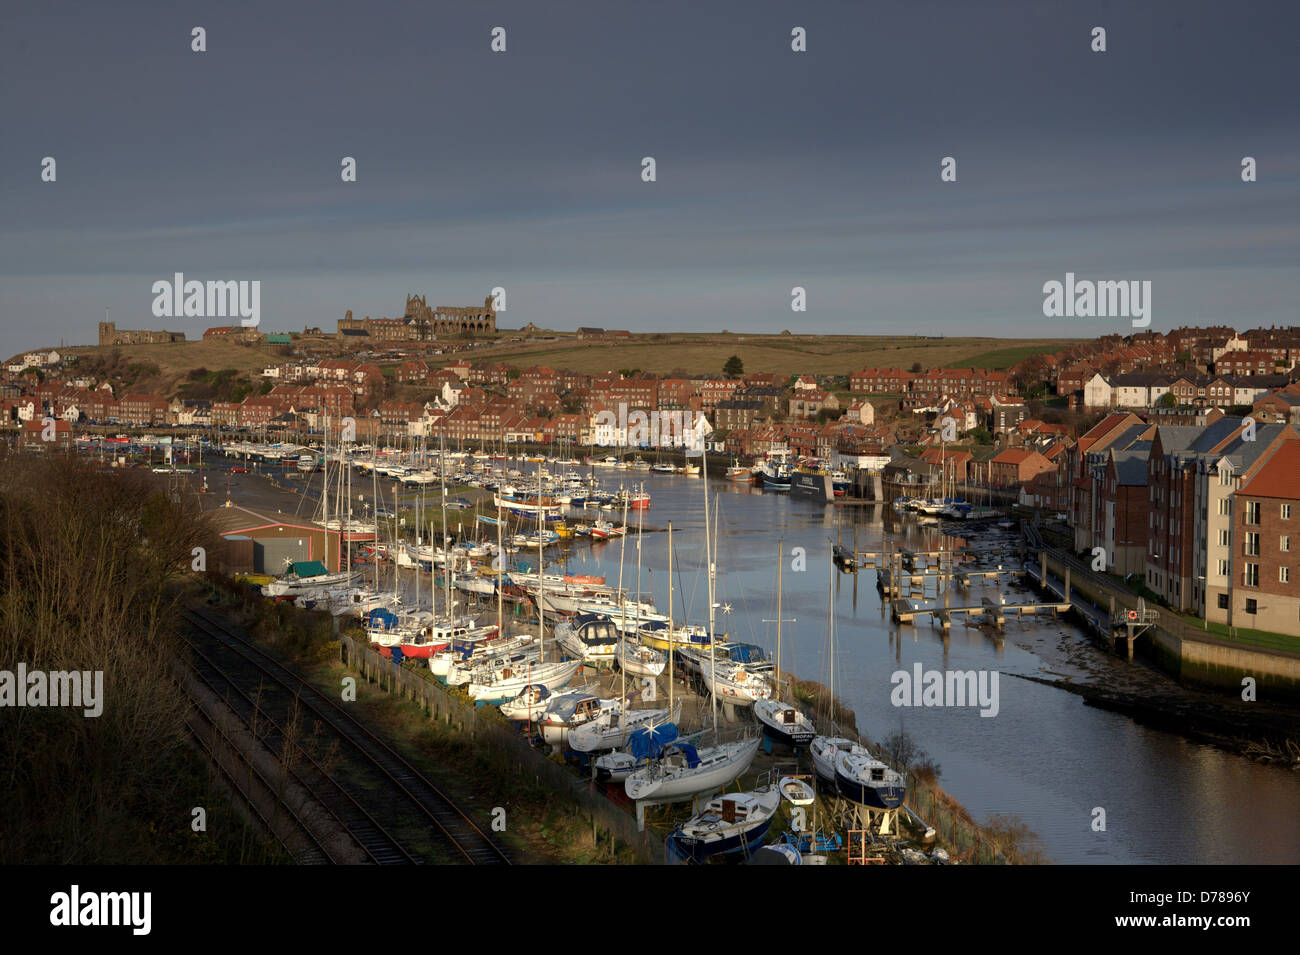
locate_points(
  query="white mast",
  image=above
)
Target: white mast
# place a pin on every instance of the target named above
(446, 549)
(780, 558)
(501, 571)
(708, 561)
(541, 613)
(671, 640)
(325, 490)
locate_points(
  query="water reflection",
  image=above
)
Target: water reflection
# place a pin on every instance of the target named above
(1045, 757)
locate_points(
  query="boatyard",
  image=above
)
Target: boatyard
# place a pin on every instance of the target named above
(969, 568)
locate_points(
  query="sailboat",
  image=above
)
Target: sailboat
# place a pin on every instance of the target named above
(732, 823)
(848, 766)
(506, 680)
(610, 728)
(862, 778)
(571, 710)
(640, 660)
(683, 771)
(529, 705)
(782, 722)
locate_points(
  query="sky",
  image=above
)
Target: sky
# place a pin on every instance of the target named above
(774, 169)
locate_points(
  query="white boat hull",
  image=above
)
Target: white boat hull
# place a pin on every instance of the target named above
(687, 782)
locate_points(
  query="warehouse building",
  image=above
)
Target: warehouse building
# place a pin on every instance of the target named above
(260, 542)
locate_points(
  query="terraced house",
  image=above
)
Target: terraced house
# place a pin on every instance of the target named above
(1266, 594)
(1192, 476)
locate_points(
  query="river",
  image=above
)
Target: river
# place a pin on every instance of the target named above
(1044, 757)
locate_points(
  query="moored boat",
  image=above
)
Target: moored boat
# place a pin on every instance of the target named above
(735, 822)
(784, 723)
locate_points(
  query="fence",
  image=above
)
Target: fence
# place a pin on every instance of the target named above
(499, 745)
(957, 832)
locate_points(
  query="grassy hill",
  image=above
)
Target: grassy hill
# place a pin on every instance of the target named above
(163, 368)
(781, 354)
(159, 369)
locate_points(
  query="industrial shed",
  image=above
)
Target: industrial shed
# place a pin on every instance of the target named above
(261, 542)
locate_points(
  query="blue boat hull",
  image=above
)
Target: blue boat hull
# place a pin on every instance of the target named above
(876, 797)
(698, 851)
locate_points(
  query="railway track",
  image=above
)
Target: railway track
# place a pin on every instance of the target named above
(375, 841)
(311, 851)
(382, 783)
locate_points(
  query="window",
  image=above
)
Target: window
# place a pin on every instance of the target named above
(1285, 544)
(1250, 575)
(1284, 575)
(1252, 512)
(1223, 568)
(1251, 605)
(1225, 538)
(1225, 477)
(1223, 601)
(1286, 512)
(1225, 506)
(1252, 545)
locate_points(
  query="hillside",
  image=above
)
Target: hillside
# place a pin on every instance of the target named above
(781, 354)
(162, 369)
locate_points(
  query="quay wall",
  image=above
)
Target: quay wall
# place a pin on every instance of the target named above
(1180, 649)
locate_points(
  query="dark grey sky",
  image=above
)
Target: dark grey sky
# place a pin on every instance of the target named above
(775, 169)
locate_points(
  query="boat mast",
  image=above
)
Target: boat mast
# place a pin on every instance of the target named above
(622, 548)
(541, 613)
(830, 609)
(708, 561)
(325, 491)
(671, 639)
(446, 548)
(501, 572)
(374, 500)
(780, 556)
(419, 527)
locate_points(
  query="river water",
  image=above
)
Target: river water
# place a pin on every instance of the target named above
(1044, 757)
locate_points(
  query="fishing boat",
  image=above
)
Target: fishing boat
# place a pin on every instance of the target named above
(739, 473)
(683, 771)
(862, 778)
(784, 723)
(776, 477)
(732, 823)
